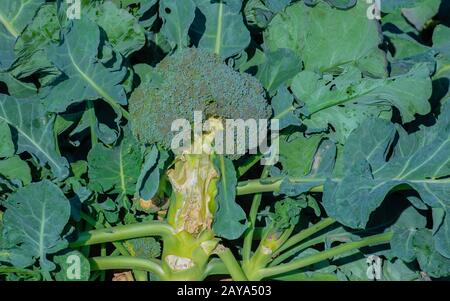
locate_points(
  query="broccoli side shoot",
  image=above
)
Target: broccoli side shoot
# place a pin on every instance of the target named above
(280, 224)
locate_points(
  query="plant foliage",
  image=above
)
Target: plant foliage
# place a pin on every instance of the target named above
(87, 176)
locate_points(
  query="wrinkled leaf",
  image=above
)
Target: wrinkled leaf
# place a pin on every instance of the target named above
(229, 215)
(86, 78)
(33, 221)
(14, 17)
(115, 170)
(34, 131)
(177, 16)
(219, 27)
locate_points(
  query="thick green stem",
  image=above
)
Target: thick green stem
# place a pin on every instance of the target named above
(103, 254)
(270, 185)
(303, 262)
(95, 224)
(308, 277)
(242, 169)
(248, 238)
(123, 232)
(91, 221)
(126, 262)
(185, 256)
(258, 186)
(305, 234)
(273, 184)
(294, 251)
(85, 250)
(140, 275)
(93, 121)
(270, 242)
(232, 265)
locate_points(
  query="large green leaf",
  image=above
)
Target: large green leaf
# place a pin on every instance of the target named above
(419, 12)
(148, 181)
(354, 267)
(279, 67)
(73, 267)
(397, 270)
(348, 100)
(34, 129)
(16, 87)
(326, 38)
(430, 261)
(122, 29)
(7, 148)
(15, 169)
(219, 27)
(405, 229)
(177, 16)
(86, 77)
(284, 109)
(229, 215)
(33, 222)
(420, 160)
(441, 41)
(307, 162)
(116, 169)
(390, 6)
(297, 153)
(277, 5)
(442, 44)
(14, 17)
(31, 57)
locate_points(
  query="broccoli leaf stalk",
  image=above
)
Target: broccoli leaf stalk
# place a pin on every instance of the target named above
(281, 224)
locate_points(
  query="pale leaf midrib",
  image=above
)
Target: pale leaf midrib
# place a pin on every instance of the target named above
(121, 172)
(218, 44)
(30, 140)
(86, 78)
(9, 27)
(224, 180)
(427, 160)
(41, 234)
(287, 111)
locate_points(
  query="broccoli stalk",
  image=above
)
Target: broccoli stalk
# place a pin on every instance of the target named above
(186, 82)
(191, 213)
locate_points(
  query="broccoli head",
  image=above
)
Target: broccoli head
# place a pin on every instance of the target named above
(193, 80)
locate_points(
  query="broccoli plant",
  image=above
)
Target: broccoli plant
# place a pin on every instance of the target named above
(114, 140)
(184, 82)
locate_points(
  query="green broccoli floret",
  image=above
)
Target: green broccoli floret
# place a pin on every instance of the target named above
(147, 247)
(286, 215)
(280, 225)
(193, 80)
